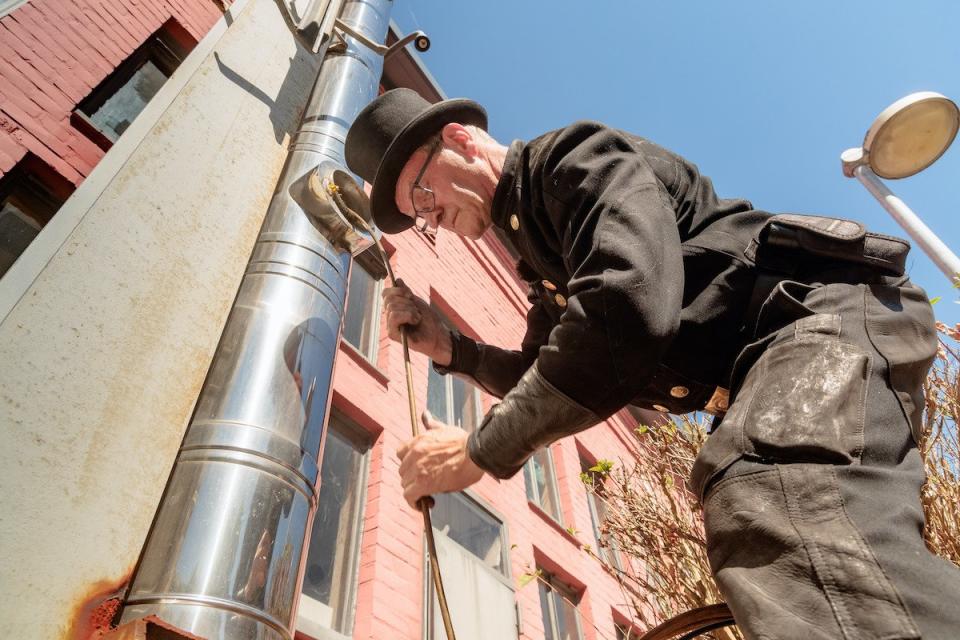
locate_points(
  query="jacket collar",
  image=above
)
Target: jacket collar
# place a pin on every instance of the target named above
(507, 194)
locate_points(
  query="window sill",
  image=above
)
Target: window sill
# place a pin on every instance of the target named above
(371, 368)
(553, 523)
(321, 634)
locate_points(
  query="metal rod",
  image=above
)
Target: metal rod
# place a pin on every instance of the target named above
(945, 259)
(423, 504)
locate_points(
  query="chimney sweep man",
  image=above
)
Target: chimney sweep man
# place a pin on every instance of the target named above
(647, 289)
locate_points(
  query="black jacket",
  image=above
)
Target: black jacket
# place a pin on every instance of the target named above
(638, 286)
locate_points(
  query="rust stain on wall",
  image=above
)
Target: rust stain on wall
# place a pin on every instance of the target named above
(95, 612)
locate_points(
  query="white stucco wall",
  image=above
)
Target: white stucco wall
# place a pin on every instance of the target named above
(109, 321)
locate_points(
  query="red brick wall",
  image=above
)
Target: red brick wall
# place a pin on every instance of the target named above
(474, 285)
(54, 52)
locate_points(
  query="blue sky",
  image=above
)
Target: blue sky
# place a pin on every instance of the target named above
(762, 96)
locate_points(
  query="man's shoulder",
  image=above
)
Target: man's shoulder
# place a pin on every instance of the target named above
(577, 130)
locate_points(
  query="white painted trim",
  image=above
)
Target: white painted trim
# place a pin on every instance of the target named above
(31, 263)
(8, 6)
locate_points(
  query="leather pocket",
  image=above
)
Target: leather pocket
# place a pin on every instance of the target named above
(802, 401)
(807, 397)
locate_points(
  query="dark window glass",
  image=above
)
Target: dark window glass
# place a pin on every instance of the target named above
(26, 205)
(332, 560)
(540, 479)
(361, 324)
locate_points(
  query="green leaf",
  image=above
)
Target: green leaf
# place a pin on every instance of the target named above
(527, 578)
(602, 467)
(934, 301)
(642, 429)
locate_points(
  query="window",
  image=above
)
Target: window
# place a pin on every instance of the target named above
(540, 479)
(451, 399)
(329, 583)
(361, 324)
(117, 101)
(27, 203)
(558, 606)
(474, 558)
(596, 499)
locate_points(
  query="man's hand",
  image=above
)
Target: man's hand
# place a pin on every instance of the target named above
(436, 461)
(425, 331)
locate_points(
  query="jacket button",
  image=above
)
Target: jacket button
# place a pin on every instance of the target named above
(661, 408)
(549, 285)
(514, 222)
(679, 392)
(561, 301)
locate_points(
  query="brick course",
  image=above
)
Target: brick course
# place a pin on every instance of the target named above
(54, 53)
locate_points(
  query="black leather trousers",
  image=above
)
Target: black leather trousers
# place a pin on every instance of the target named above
(811, 482)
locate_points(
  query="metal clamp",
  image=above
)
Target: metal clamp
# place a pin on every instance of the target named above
(419, 39)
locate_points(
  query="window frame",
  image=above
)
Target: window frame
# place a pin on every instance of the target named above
(625, 631)
(609, 553)
(166, 54)
(358, 437)
(41, 187)
(551, 473)
(376, 315)
(473, 501)
(447, 380)
(449, 397)
(553, 584)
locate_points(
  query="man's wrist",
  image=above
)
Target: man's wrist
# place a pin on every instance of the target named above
(443, 355)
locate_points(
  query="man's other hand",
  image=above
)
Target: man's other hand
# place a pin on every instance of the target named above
(425, 331)
(436, 461)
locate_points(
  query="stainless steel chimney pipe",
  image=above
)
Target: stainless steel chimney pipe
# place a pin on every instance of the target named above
(224, 559)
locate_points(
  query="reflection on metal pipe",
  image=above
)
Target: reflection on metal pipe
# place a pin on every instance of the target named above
(225, 556)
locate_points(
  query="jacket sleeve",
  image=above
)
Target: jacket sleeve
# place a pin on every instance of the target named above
(497, 370)
(621, 248)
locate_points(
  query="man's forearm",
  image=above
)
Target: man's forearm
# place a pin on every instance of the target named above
(531, 416)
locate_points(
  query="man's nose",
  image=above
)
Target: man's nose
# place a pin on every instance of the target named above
(433, 217)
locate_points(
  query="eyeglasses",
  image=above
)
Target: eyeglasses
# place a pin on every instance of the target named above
(422, 198)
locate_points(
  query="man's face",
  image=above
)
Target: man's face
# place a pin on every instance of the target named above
(460, 199)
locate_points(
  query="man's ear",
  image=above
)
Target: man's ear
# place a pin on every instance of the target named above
(458, 137)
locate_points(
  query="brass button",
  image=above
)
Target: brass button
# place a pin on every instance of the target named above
(561, 301)
(679, 392)
(549, 285)
(661, 408)
(514, 222)
(719, 402)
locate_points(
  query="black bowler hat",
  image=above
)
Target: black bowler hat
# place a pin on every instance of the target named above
(387, 132)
